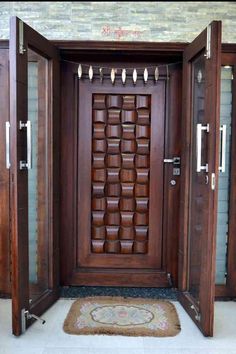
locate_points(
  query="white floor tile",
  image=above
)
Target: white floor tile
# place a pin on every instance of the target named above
(112, 350)
(51, 339)
(26, 350)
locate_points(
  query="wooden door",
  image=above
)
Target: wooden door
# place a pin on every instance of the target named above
(34, 121)
(5, 283)
(199, 184)
(120, 184)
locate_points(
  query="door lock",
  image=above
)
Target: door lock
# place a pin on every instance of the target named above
(176, 165)
(175, 160)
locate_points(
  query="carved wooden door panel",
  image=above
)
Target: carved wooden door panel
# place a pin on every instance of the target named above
(120, 183)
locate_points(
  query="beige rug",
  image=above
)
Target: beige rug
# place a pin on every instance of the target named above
(122, 316)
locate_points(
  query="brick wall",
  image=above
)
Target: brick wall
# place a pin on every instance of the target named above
(137, 21)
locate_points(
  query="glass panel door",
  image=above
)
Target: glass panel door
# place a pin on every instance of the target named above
(34, 118)
(38, 176)
(200, 175)
(198, 199)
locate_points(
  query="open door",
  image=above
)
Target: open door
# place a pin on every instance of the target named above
(201, 101)
(34, 128)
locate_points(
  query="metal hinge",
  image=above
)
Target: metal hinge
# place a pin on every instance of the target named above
(26, 315)
(208, 43)
(22, 49)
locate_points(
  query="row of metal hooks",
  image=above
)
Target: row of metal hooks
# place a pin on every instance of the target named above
(114, 73)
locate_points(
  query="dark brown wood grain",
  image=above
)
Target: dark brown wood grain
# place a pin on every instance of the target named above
(63, 179)
(70, 273)
(19, 178)
(172, 193)
(113, 146)
(66, 45)
(5, 285)
(206, 254)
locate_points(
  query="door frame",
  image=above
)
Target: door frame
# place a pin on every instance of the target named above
(69, 72)
(67, 50)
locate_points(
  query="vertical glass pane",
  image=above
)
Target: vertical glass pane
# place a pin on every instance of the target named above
(37, 176)
(198, 202)
(33, 172)
(224, 176)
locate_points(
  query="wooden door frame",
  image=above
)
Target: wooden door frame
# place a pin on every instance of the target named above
(170, 227)
(68, 48)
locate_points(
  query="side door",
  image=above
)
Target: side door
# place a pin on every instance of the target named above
(34, 166)
(201, 99)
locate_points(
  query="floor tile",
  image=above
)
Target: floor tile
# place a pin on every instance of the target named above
(51, 339)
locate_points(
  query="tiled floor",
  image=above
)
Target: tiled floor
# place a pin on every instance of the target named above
(50, 338)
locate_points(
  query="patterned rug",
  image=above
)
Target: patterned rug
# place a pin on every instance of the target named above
(122, 316)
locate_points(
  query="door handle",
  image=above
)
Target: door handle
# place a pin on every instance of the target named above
(223, 147)
(28, 163)
(8, 161)
(175, 160)
(201, 128)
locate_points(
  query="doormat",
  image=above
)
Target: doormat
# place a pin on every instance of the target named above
(122, 316)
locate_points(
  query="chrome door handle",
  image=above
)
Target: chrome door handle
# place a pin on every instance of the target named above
(223, 147)
(175, 160)
(8, 162)
(28, 163)
(201, 128)
(29, 145)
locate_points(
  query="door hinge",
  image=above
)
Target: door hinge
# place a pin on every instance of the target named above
(22, 49)
(197, 314)
(208, 43)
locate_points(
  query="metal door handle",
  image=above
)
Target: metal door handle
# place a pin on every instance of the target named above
(29, 145)
(28, 163)
(200, 128)
(175, 160)
(8, 162)
(223, 147)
